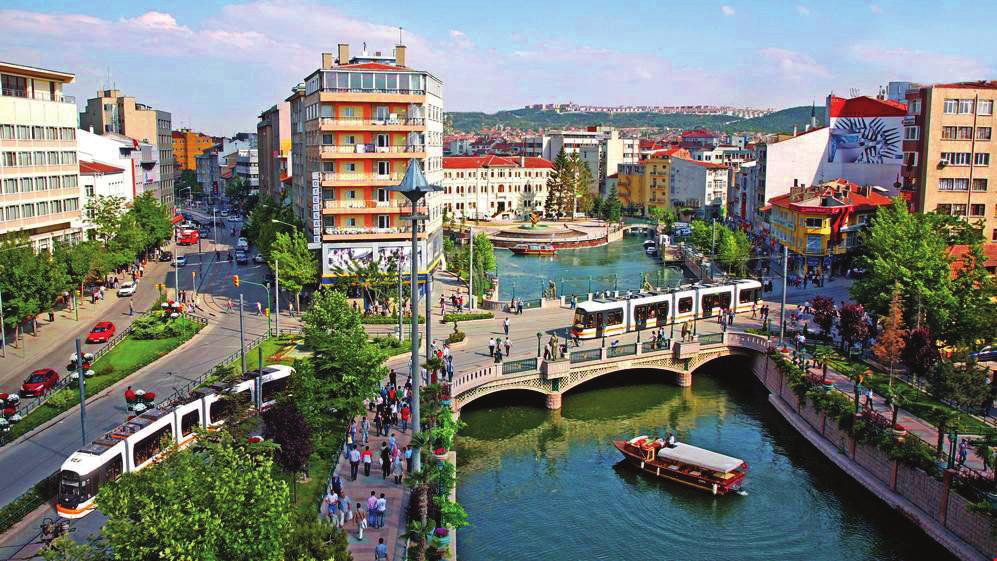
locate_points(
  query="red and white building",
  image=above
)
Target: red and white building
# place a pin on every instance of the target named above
(494, 187)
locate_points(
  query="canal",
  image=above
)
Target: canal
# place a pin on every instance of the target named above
(617, 266)
(541, 484)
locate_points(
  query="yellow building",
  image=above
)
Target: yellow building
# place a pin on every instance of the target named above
(647, 184)
(819, 221)
(188, 145)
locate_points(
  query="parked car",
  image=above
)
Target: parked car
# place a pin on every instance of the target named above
(224, 212)
(986, 353)
(40, 382)
(127, 288)
(102, 332)
(165, 256)
(258, 258)
(181, 260)
(234, 218)
(243, 243)
(241, 258)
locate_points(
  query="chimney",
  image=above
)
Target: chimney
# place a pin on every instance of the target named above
(344, 53)
(400, 55)
(326, 61)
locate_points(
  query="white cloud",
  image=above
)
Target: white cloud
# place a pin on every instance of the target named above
(920, 65)
(802, 10)
(794, 65)
(875, 8)
(460, 39)
(727, 10)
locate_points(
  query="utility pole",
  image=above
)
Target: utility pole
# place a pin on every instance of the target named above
(470, 269)
(782, 308)
(242, 336)
(83, 392)
(398, 305)
(176, 271)
(276, 295)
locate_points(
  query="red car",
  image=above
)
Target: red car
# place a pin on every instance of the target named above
(101, 333)
(40, 382)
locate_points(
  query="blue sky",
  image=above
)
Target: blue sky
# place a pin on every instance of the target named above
(215, 64)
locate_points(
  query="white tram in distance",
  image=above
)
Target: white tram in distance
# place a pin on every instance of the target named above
(138, 442)
(604, 317)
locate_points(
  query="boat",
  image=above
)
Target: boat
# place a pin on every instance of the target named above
(651, 250)
(533, 249)
(686, 464)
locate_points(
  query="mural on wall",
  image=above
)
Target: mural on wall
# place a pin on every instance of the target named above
(866, 140)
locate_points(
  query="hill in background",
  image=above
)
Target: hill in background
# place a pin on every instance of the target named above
(780, 121)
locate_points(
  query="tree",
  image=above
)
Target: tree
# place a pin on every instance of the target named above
(823, 356)
(612, 208)
(559, 188)
(702, 236)
(891, 340)
(824, 313)
(31, 282)
(852, 324)
(974, 309)
(297, 264)
(944, 419)
(579, 181)
(458, 260)
(960, 381)
(312, 540)
(84, 261)
(592, 205)
(896, 397)
(260, 228)
(64, 548)
(656, 213)
(218, 501)
(733, 250)
(920, 352)
(153, 218)
(287, 427)
(104, 213)
(906, 250)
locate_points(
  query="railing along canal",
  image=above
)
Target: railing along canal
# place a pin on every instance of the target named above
(621, 350)
(652, 346)
(586, 356)
(517, 366)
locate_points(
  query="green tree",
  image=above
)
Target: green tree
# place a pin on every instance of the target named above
(104, 213)
(557, 202)
(218, 501)
(298, 264)
(960, 381)
(154, 219)
(906, 250)
(311, 540)
(973, 317)
(733, 250)
(612, 208)
(458, 260)
(65, 549)
(702, 236)
(656, 213)
(579, 181)
(84, 262)
(260, 228)
(592, 205)
(31, 282)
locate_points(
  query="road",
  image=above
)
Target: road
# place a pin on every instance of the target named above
(28, 461)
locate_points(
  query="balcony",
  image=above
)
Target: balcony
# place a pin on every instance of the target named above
(39, 96)
(332, 179)
(364, 206)
(391, 123)
(340, 233)
(371, 151)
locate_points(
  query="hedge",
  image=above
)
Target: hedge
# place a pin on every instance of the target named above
(17, 509)
(448, 318)
(389, 320)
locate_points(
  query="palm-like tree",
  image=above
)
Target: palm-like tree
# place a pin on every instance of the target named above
(857, 378)
(944, 420)
(896, 397)
(823, 355)
(416, 532)
(433, 365)
(420, 481)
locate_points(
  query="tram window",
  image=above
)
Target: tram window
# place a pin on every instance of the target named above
(585, 320)
(662, 310)
(273, 387)
(189, 422)
(224, 407)
(643, 312)
(719, 300)
(151, 445)
(685, 305)
(580, 317)
(748, 295)
(614, 317)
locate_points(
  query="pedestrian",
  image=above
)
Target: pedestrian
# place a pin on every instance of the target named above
(396, 470)
(754, 309)
(367, 457)
(377, 423)
(344, 507)
(507, 347)
(385, 460)
(354, 464)
(408, 458)
(505, 327)
(131, 308)
(392, 443)
(406, 413)
(332, 505)
(364, 430)
(382, 509)
(290, 309)
(498, 356)
(963, 451)
(519, 306)
(337, 484)
(259, 309)
(381, 551)
(360, 521)
(372, 510)
(491, 346)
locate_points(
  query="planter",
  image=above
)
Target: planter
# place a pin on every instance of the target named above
(827, 386)
(899, 433)
(441, 454)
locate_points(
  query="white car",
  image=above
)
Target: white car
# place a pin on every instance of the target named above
(224, 213)
(127, 288)
(234, 218)
(181, 260)
(243, 243)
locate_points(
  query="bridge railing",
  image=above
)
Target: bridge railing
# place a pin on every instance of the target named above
(654, 346)
(586, 356)
(711, 338)
(522, 365)
(621, 350)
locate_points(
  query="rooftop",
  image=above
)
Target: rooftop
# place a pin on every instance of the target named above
(831, 194)
(35, 72)
(977, 85)
(865, 106)
(957, 252)
(493, 161)
(97, 168)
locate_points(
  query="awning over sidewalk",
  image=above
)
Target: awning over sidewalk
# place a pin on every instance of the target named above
(177, 218)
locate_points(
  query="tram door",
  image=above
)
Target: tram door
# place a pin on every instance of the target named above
(600, 324)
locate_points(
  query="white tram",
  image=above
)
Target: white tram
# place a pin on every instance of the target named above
(139, 442)
(604, 317)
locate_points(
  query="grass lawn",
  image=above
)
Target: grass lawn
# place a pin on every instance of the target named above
(391, 346)
(123, 360)
(274, 352)
(310, 493)
(919, 404)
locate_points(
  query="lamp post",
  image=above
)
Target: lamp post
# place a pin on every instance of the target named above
(539, 345)
(782, 307)
(414, 187)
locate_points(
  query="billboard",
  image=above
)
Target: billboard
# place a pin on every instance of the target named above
(866, 140)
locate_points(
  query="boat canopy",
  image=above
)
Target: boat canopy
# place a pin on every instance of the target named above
(694, 456)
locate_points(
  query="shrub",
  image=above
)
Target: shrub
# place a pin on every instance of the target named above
(389, 320)
(455, 337)
(471, 316)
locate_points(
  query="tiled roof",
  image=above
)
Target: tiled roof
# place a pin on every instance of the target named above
(708, 165)
(865, 106)
(473, 162)
(92, 168)
(957, 252)
(853, 198)
(669, 152)
(698, 133)
(979, 85)
(370, 66)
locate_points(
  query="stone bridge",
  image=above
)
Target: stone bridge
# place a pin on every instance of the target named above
(554, 377)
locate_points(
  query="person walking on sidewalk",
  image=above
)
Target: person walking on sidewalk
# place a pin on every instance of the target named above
(396, 469)
(491, 346)
(372, 510)
(368, 458)
(354, 463)
(131, 308)
(385, 460)
(382, 510)
(359, 521)
(408, 459)
(505, 327)
(381, 551)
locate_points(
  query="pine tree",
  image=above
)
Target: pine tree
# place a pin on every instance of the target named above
(560, 175)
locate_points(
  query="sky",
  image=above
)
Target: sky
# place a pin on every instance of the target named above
(216, 64)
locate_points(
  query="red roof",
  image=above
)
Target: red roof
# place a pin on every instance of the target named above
(680, 152)
(93, 168)
(698, 133)
(957, 252)
(284, 178)
(854, 198)
(710, 165)
(979, 85)
(865, 106)
(472, 162)
(227, 174)
(370, 66)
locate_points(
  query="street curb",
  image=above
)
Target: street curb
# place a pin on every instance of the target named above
(117, 385)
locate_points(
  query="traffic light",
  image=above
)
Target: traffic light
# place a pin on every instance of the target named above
(266, 311)
(235, 280)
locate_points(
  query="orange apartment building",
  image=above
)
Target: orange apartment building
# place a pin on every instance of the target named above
(949, 157)
(188, 145)
(356, 124)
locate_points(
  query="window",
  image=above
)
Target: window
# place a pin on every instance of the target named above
(910, 133)
(189, 422)
(72, 204)
(12, 213)
(951, 106)
(383, 221)
(914, 108)
(977, 209)
(272, 387)
(7, 132)
(151, 445)
(981, 159)
(965, 106)
(24, 159)
(943, 209)
(959, 209)
(993, 235)
(14, 85)
(367, 80)
(910, 159)
(953, 184)
(23, 132)
(980, 184)
(42, 208)
(383, 168)
(9, 186)
(27, 184)
(685, 305)
(983, 133)
(985, 107)
(956, 158)
(814, 222)
(28, 210)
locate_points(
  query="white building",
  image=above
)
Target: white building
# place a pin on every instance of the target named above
(494, 187)
(699, 185)
(115, 151)
(604, 158)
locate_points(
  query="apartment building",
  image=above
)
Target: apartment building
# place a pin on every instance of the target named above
(701, 186)
(357, 123)
(110, 165)
(273, 137)
(494, 187)
(113, 112)
(39, 162)
(948, 151)
(603, 158)
(187, 145)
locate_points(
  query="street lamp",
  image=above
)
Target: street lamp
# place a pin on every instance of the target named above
(414, 187)
(539, 337)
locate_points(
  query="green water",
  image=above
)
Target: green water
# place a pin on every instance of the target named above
(550, 485)
(617, 266)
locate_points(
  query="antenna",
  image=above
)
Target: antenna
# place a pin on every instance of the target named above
(400, 35)
(854, 92)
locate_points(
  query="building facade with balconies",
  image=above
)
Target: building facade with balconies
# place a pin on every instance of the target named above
(39, 163)
(356, 124)
(494, 187)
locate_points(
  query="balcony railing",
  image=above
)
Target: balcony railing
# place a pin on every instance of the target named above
(40, 96)
(361, 204)
(360, 177)
(356, 230)
(358, 122)
(374, 91)
(370, 149)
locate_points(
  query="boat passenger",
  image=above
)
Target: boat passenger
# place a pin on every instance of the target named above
(671, 440)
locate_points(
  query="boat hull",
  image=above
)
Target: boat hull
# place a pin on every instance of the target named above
(662, 469)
